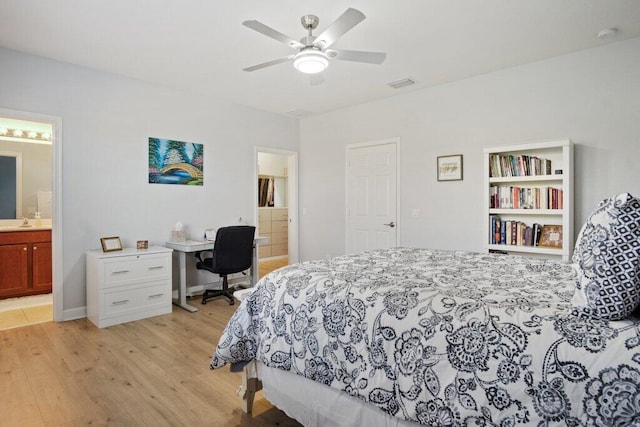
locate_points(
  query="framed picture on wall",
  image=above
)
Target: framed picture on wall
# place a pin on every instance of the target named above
(175, 162)
(450, 167)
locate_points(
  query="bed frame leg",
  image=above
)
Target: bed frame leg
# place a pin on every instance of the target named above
(250, 385)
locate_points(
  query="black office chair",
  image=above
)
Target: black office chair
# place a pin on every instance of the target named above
(232, 253)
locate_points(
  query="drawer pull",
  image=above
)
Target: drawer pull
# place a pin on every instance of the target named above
(124, 301)
(120, 272)
(157, 267)
(155, 296)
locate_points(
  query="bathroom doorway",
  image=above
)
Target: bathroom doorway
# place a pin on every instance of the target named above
(37, 139)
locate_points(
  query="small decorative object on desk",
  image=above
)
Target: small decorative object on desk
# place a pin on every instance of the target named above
(450, 168)
(142, 244)
(178, 234)
(210, 234)
(110, 244)
(551, 236)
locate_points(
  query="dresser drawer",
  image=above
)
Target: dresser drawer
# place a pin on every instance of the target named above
(279, 214)
(281, 249)
(126, 301)
(143, 268)
(279, 227)
(279, 238)
(128, 285)
(264, 215)
(264, 227)
(264, 251)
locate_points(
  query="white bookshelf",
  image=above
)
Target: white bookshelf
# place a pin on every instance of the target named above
(560, 153)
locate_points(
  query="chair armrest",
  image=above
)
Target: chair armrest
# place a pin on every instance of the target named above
(199, 254)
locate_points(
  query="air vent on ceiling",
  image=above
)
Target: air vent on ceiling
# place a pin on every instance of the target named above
(401, 83)
(298, 113)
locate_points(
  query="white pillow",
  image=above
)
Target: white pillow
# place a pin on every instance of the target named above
(607, 260)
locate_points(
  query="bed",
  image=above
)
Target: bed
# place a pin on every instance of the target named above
(439, 338)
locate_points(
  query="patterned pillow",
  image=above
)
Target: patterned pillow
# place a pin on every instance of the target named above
(607, 260)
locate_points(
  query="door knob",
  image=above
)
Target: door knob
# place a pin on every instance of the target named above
(391, 224)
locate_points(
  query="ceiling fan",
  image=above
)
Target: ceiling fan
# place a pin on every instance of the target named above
(314, 52)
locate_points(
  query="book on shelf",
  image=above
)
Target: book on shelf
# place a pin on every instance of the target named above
(509, 165)
(518, 233)
(516, 197)
(537, 231)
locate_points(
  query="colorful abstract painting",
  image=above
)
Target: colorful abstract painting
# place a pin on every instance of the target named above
(175, 162)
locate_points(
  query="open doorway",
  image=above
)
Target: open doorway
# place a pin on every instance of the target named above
(276, 202)
(35, 294)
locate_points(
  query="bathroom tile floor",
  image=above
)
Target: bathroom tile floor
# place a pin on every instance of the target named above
(18, 312)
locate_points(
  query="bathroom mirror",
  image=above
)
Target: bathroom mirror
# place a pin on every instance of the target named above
(25, 179)
(10, 185)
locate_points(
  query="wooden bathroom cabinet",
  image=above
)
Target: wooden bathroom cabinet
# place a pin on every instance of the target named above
(25, 263)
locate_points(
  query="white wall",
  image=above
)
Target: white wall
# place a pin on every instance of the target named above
(591, 97)
(107, 120)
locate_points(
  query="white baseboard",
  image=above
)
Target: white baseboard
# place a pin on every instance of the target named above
(74, 313)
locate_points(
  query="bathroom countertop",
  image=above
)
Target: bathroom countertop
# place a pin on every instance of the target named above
(30, 227)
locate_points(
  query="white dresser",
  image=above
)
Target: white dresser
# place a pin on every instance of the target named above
(128, 285)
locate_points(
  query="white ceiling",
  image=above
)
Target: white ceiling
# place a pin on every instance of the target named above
(202, 46)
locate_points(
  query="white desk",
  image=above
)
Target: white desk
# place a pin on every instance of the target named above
(190, 246)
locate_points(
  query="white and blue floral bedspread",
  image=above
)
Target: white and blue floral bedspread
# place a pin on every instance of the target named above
(443, 338)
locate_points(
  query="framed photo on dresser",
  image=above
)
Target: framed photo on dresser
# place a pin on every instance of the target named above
(110, 244)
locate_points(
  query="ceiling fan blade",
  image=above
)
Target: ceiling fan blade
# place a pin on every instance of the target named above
(269, 63)
(316, 79)
(349, 19)
(270, 32)
(359, 56)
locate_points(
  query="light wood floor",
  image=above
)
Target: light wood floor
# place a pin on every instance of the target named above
(270, 265)
(44, 313)
(153, 372)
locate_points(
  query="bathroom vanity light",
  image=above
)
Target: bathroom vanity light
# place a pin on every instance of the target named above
(25, 135)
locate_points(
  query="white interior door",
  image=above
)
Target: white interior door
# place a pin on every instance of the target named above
(372, 220)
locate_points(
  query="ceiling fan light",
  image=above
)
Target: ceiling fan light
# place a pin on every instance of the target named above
(310, 62)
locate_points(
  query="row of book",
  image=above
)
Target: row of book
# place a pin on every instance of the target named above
(510, 165)
(507, 197)
(513, 232)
